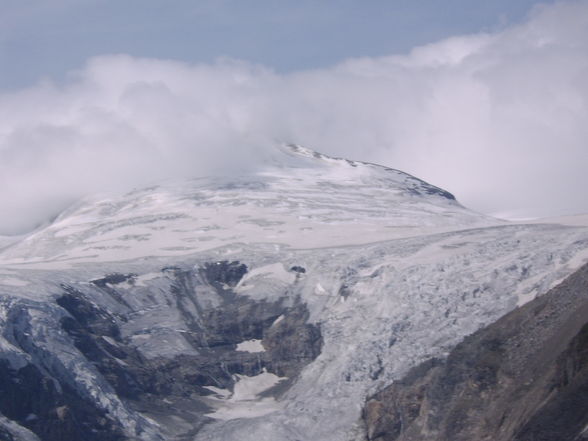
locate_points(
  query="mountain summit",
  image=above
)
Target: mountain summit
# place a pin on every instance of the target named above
(297, 198)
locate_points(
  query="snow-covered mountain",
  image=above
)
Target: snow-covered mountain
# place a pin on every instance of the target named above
(265, 306)
(298, 199)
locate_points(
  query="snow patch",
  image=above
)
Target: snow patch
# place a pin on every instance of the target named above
(221, 393)
(110, 340)
(274, 271)
(251, 346)
(318, 289)
(245, 401)
(144, 278)
(278, 320)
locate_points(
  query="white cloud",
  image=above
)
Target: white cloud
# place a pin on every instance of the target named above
(499, 119)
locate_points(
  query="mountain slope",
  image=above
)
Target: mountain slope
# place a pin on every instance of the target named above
(524, 377)
(298, 198)
(264, 306)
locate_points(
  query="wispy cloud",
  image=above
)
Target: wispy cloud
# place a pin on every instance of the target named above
(499, 119)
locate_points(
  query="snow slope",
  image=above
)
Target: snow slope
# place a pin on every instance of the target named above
(391, 269)
(298, 198)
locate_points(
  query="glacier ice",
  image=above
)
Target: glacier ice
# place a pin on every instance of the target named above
(391, 269)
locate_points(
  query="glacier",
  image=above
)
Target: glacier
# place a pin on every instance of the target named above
(299, 289)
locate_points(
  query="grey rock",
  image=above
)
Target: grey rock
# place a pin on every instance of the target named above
(523, 378)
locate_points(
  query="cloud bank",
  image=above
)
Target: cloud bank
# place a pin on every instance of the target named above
(499, 119)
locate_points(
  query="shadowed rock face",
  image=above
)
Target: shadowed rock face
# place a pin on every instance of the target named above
(168, 389)
(53, 412)
(523, 378)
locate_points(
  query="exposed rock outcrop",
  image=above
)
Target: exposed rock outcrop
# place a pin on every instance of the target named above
(52, 411)
(523, 378)
(102, 320)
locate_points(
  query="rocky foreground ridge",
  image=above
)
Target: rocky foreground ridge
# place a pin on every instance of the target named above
(523, 378)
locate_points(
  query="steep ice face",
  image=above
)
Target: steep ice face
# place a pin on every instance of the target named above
(298, 198)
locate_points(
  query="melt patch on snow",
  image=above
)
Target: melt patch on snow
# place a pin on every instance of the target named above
(251, 346)
(245, 401)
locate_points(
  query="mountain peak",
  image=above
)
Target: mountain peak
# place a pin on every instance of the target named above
(300, 199)
(395, 178)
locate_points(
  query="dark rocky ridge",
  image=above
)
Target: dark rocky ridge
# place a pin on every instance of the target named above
(523, 378)
(166, 389)
(52, 412)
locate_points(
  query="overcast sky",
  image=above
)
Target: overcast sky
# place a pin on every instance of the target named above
(486, 99)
